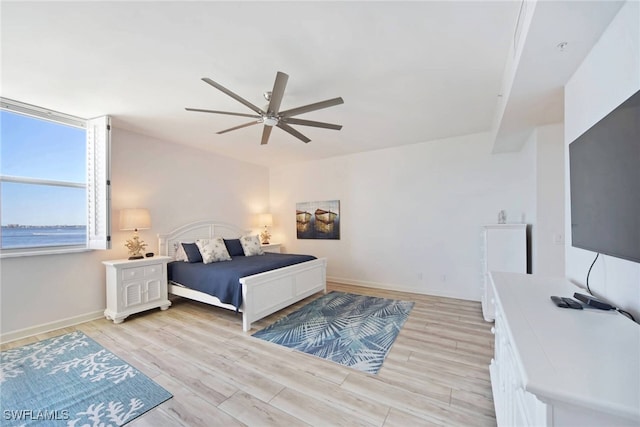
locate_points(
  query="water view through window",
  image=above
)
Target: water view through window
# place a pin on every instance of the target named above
(42, 182)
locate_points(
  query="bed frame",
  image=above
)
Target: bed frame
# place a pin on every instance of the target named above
(263, 293)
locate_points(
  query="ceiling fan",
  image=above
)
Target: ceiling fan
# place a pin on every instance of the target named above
(273, 116)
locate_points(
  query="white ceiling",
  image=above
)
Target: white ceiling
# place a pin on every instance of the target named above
(408, 72)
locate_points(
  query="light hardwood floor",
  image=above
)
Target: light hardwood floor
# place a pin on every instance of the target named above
(435, 374)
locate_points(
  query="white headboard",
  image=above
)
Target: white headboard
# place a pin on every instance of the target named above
(207, 229)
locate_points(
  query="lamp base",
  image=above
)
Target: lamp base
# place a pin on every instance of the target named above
(136, 246)
(265, 236)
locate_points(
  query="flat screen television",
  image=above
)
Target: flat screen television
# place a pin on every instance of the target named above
(604, 174)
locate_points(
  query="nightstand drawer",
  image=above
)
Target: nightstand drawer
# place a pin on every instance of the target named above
(133, 273)
(142, 272)
(153, 270)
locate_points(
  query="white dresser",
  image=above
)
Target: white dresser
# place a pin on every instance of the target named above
(561, 367)
(504, 248)
(136, 285)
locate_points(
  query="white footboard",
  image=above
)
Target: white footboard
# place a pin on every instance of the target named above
(265, 293)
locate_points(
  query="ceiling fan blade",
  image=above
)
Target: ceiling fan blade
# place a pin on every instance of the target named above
(311, 107)
(277, 93)
(265, 134)
(233, 95)
(255, 122)
(223, 112)
(285, 127)
(294, 121)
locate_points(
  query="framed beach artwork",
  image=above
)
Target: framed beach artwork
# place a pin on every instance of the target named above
(318, 220)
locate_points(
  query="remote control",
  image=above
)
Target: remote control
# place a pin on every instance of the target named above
(571, 303)
(559, 301)
(566, 302)
(593, 301)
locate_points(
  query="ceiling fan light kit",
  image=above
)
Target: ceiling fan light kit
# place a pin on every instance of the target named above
(270, 121)
(273, 116)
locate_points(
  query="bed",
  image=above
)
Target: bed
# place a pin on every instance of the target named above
(261, 294)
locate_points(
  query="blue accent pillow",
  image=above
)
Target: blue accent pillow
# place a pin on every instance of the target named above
(192, 251)
(234, 247)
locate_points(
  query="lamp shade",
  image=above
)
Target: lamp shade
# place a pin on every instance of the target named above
(135, 219)
(265, 219)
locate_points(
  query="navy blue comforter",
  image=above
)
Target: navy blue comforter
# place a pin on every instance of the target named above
(221, 279)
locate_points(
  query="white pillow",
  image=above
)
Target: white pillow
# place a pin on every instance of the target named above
(180, 254)
(213, 250)
(251, 245)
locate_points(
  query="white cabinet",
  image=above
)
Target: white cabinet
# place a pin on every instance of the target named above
(272, 247)
(504, 248)
(514, 406)
(557, 366)
(136, 285)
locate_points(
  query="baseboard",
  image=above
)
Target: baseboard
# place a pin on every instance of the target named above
(394, 287)
(48, 327)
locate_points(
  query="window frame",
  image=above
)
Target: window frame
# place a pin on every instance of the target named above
(98, 179)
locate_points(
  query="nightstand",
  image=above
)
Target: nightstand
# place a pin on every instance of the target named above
(271, 247)
(136, 285)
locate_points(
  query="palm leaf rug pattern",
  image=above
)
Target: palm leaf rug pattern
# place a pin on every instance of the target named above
(352, 330)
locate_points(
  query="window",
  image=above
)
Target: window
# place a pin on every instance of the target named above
(54, 181)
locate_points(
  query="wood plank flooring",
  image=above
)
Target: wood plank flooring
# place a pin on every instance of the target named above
(436, 373)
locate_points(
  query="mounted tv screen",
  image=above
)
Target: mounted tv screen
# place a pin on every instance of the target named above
(604, 167)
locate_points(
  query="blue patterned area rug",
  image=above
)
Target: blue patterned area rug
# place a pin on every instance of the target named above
(71, 380)
(352, 330)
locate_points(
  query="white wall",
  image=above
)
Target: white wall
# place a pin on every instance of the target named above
(177, 184)
(410, 216)
(608, 76)
(548, 231)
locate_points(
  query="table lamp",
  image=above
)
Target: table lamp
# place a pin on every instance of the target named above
(267, 220)
(135, 219)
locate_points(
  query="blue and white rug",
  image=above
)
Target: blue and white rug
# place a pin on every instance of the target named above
(71, 380)
(352, 330)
